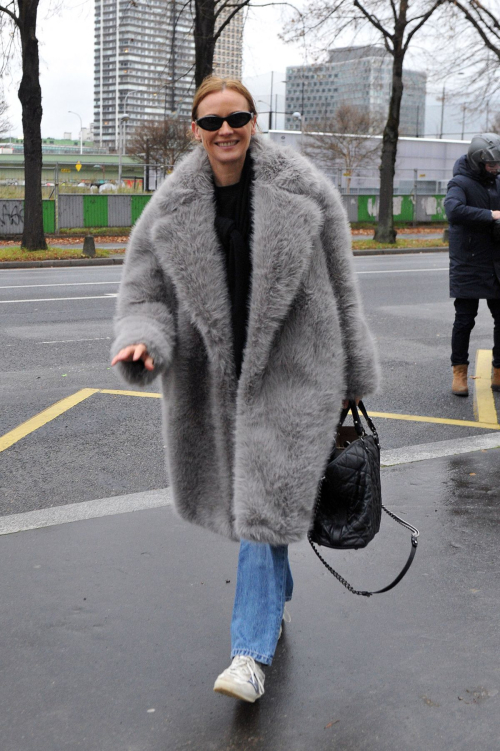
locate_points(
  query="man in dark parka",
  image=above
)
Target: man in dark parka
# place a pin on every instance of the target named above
(472, 206)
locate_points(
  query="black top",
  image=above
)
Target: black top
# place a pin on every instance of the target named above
(233, 226)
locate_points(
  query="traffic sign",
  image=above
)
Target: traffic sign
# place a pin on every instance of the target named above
(78, 166)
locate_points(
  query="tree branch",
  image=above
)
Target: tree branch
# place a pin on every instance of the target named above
(227, 20)
(374, 21)
(11, 15)
(423, 20)
(477, 26)
(394, 11)
(478, 7)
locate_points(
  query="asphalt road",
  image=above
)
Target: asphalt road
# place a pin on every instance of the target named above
(55, 338)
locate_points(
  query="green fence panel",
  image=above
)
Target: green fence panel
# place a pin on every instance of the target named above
(402, 208)
(49, 216)
(137, 206)
(95, 211)
(367, 208)
(440, 215)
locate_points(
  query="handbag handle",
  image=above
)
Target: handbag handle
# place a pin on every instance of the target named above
(358, 426)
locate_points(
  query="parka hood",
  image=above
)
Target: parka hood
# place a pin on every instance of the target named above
(463, 167)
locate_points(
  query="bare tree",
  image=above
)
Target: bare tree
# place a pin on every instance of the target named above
(21, 16)
(483, 17)
(480, 50)
(493, 124)
(344, 140)
(160, 142)
(463, 54)
(211, 17)
(4, 122)
(396, 22)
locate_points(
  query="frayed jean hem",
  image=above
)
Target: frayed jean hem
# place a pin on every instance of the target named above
(264, 659)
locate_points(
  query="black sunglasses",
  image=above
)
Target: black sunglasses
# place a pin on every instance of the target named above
(234, 120)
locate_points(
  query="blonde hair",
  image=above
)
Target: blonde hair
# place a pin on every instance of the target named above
(212, 84)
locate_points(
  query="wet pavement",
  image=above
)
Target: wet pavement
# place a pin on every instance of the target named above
(114, 629)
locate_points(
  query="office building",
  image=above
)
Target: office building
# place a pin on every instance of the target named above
(359, 76)
(228, 53)
(143, 61)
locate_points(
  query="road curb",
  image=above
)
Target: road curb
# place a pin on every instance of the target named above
(119, 261)
(62, 262)
(396, 251)
(152, 499)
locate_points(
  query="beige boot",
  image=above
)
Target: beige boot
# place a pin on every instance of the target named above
(459, 386)
(495, 381)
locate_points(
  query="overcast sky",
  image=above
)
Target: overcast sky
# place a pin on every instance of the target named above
(67, 63)
(67, 67)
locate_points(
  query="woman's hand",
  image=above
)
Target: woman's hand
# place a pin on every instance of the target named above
(345, 403)
(134, 353)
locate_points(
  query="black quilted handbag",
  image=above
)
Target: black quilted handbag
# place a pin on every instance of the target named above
(349, 504)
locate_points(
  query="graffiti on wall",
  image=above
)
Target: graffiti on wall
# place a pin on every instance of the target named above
(11, 214)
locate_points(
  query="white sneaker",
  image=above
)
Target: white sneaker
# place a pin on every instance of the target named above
(287, 619)
(243, 679)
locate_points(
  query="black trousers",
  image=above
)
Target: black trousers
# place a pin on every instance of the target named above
(465, 319)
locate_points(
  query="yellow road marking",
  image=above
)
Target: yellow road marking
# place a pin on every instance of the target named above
(484, 402)
(13, 436)
(487, 425)
(439, 420)
(151, 394)
(487, 413)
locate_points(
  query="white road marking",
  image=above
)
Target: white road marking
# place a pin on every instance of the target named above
(55, 284)
(109, 296)
(74, 512)
(425, 451)
(65, 341)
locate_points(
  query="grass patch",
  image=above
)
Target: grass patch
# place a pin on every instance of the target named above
(15, 253)
(101, 231)
(401, 225)
(372, 245)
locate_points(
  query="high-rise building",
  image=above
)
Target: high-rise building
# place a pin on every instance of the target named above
(144, 53)
(359, 76)
(228, 53)
(144, 61)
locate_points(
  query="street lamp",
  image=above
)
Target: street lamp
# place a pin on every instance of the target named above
(135, 91)
(121, 124)
(81, 129)
(103, 167)
(300, 117)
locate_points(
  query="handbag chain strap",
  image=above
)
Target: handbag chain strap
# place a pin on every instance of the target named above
(414, 543)
(414, 531)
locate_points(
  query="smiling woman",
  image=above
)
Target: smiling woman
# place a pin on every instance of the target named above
(229, 105)
(239, 290)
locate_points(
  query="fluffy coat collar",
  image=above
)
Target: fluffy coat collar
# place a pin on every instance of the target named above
(287, 218)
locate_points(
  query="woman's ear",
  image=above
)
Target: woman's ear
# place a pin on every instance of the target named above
(196, 131)
(254, 125)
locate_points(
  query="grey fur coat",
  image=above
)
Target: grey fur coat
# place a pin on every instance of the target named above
(245, 457)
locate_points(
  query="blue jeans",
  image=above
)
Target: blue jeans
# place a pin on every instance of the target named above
(263, 584)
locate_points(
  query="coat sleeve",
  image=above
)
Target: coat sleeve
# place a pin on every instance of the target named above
(362, 368)
(457, 211)
(145, 312)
